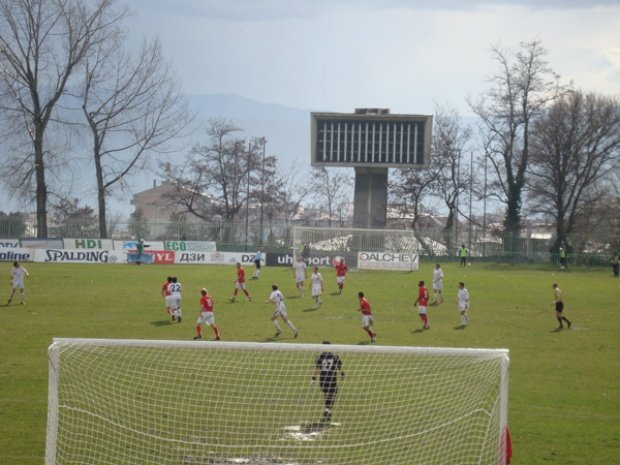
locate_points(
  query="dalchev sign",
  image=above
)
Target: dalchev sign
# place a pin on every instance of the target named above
(387, 261)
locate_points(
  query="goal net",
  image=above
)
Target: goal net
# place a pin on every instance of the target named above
(361, 248)
(134, 402)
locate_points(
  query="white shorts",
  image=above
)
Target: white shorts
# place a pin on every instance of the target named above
(169, 302)
(206, 317)
(239, 285)
(175, 301)
(316, 291)
(299, 278)
(280, 312)
(438, 286)
(340, 279)
(462, 308)
(366, 320)
(421, 310)
(18, 284)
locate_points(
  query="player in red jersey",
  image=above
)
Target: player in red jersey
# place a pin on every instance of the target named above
(240, 284)
(206, 315)
(422, 303)
(166, 295)
(341, 271)
(366, 316)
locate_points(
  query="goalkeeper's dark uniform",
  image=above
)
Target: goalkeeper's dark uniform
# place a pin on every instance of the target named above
(327, 366)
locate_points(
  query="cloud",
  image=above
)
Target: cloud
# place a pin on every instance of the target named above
(266, 10)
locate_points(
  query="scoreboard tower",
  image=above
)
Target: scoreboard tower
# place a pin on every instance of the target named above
(371, 140)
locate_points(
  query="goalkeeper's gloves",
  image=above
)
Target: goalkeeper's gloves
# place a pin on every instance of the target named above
(313, 381)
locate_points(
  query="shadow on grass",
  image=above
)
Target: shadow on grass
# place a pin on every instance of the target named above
(162, 323)
(310, 309)
(335, 293)
(418, 331)
(460, 327)
(278, 338)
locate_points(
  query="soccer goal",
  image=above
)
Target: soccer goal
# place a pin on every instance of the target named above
(362, 248)
(129, 402)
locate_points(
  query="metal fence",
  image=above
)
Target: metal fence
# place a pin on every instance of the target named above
(278, 236)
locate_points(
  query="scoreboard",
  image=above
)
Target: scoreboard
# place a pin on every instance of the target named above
(371, 140)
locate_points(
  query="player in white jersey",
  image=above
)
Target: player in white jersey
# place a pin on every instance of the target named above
(316, 286)
(463, 303)
(17, 282)
(175, 299)
(277, 298)
(437, 285)
(299, 272)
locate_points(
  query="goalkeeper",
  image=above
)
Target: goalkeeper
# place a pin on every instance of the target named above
(326, 367)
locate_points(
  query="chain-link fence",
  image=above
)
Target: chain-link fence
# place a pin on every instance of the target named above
(482, 244)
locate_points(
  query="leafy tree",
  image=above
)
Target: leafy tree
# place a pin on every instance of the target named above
(73, 220)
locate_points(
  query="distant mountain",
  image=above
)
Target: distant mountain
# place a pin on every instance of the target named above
(287, 129)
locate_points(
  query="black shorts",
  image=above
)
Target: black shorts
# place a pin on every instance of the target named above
(559, 307)
(257, 264)
(329, 388)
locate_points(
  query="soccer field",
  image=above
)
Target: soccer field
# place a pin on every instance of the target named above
(564, 400)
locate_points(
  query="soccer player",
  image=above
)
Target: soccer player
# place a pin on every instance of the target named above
(206, 315)
(422, 303)
(563, 264)
(257, 258)
(366, 316)
(463, 253)
(559, 306)
(463, 303)
(300, 274)
(326, 367)
(277, 298)
(240, 284)
(437, 285)
(175, 299)
(17, 282)
(316, 284)
(341, 272)
(166, 294)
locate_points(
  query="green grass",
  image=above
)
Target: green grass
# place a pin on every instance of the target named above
(564, 404)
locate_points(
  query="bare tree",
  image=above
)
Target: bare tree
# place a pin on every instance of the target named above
(575, 148)
(218, 177)
(294, 192)
(42, 42)
(452, 179)
(522, 88)
(408, 189)
(133, 107)
(329, 187)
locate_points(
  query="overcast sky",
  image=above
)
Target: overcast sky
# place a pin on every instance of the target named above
(336, 55)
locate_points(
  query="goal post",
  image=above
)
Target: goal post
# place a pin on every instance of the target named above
(361, 248)
(130, 402)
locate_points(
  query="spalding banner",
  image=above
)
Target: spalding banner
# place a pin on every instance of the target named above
(78, 256)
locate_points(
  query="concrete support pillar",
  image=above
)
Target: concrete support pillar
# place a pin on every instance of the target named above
(370, 201)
